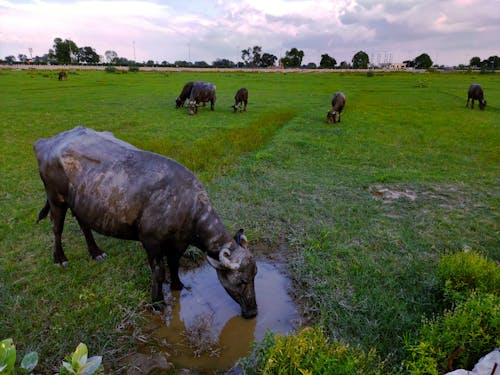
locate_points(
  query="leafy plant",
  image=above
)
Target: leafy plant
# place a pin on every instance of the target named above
(78, 363)
(458, 338)
(310, 352)
(8, 359)
(467, 271)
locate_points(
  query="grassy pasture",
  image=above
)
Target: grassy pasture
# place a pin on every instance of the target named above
(363, 263)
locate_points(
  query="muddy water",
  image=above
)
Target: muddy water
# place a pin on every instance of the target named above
(202, 328)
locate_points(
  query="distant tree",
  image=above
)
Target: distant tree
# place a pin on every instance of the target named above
(360, 60)
(201, 64)
(246, 56)
(121, 61)
(423, 61)
(493, 62)
(293, 58)
(87, 55)
(110, 56)
(310, 65)
(10, 59)
(22, 58)
(267, 60)
(252, 56)
(183, 63)
(223, 63)
(327, 62)
(344, 65)
(409, 63)
(475, 61)
(64, 51)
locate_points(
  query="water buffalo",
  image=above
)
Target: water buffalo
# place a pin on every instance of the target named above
(476, 93)
(200, 93)
(185, 93)
(118, 190)
(338, 103)
(241, 99)
(62, 75)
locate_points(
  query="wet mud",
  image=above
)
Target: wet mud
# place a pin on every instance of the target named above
(202, 329)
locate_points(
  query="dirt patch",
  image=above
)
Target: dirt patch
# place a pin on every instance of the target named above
(388, 195)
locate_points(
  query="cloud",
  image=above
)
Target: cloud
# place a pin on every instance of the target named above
(205, 30)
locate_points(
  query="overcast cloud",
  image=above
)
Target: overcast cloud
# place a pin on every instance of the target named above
(450, 31)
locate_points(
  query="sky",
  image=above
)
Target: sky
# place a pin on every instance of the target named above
(451, 32)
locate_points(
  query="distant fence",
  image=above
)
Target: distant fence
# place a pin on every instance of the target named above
(194, 69)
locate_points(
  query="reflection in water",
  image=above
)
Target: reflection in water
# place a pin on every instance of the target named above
(204, 313)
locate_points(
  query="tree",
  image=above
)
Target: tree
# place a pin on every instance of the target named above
(475, 61)
(493, 62)
(110, 56)
(360, 60)
(64, 51)
(409, 63)
(252, 56)
(293, 58)
(87, 55)
(327, 62)
(223, 63)
(423, 61)
(344, 65)
(22, 57)
(268, 60)
(10, 59)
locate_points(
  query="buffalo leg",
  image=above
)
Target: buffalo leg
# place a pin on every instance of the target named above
(157, 277)
(58, 214)
(95, 252)
(173, 267)
(212, 104)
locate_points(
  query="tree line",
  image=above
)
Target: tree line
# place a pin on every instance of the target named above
(65, 52)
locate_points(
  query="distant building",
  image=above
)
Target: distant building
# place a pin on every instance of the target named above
(397, 66)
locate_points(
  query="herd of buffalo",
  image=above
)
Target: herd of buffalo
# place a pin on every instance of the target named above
(118, 190)
(198, 92)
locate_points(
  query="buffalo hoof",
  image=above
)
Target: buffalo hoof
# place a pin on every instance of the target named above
(249, 314)
(62, 264)
(101, 257)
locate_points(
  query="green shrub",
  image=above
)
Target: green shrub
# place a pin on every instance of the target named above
(309, 352)
(461, 336)
(77, 363)
(110, 69)
(463, 272)
(8, 359)
(133, 68)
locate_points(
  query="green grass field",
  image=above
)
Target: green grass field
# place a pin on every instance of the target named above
(314, 194)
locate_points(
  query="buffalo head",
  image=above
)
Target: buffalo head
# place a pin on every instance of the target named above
(482, 104)
(236, 270)
(178, 102)
(330, 116)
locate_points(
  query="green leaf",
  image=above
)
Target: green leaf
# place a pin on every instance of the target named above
(7, 354)
(67, 366)
(92, 365)
(29, 361)
(79, 356)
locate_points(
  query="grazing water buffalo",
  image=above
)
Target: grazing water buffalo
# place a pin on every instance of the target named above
(118, 190)
(200, 93)
(241, 99)
(476, 93)
(185, 93)
(62, 75)
(338, 103)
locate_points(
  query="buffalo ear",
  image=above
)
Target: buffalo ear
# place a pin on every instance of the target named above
(241, 239)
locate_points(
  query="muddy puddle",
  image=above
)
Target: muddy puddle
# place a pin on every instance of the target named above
(201, 329)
